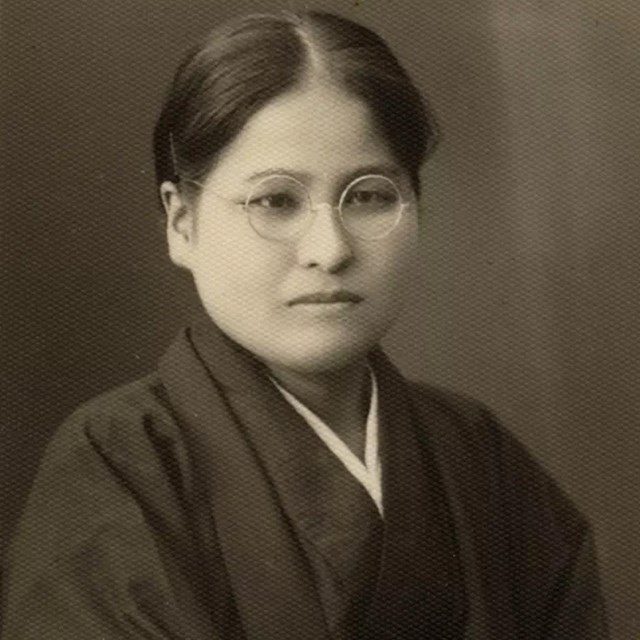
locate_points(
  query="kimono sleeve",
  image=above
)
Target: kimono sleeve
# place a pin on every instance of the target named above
(88, 560)
(580, 611)
(553, 559)
(524, 537)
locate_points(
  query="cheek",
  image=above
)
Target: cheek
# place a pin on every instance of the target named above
(397, 263)
(232, 268)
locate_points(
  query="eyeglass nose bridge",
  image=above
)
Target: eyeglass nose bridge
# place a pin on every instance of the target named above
(315, 208)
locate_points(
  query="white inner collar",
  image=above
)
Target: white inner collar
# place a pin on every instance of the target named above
(369, 472)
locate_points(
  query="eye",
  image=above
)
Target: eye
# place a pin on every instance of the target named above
(274, 201)
(278, 197)
(371, 197)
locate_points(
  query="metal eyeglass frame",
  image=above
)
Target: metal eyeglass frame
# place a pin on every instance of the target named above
(299, 232)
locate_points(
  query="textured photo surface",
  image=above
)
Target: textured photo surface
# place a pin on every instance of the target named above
(404, 404)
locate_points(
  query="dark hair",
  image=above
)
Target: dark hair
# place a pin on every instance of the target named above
(246, 62)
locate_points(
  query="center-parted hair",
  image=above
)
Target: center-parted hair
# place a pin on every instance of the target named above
(243, 64)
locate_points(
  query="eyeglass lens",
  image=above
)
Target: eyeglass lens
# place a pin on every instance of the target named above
(279, 207)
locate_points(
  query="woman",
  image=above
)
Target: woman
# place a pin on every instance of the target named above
(277, 477)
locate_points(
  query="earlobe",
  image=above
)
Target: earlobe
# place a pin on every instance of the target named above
(180, 225)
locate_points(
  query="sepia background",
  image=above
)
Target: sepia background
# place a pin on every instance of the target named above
(528, 298)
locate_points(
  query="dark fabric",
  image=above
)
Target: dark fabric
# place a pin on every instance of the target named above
(332, 519)
(166, 510)
(420, 592)
(420, 589)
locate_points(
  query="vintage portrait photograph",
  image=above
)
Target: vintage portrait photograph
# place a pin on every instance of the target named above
(320, 320)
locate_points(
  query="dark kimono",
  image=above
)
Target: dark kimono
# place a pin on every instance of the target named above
(197, 504)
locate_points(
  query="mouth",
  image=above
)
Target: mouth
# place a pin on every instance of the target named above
(327, 297)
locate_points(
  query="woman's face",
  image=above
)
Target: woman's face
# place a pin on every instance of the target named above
(249, 285)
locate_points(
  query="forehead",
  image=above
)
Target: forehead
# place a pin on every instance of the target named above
(319, 131)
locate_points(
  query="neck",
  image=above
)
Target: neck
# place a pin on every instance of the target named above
(339, 397)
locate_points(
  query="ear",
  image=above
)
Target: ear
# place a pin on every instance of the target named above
(180, 225)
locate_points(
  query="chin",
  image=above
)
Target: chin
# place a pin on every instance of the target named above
(312, 346)
(310, 352)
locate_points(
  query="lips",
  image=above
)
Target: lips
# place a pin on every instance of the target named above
(326, 297)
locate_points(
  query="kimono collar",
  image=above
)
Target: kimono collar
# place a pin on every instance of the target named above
(266, 493)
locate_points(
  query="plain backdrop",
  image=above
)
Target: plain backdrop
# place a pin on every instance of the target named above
(528, 294)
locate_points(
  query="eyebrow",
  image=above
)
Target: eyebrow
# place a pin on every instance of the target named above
(385, 169)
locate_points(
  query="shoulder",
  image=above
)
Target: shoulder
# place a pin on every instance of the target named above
(485, 453)
(118, 456)
(107, 520)
(466, 421)
(127, 434)
(530, 537)
(454, 403)
(134, 410)
(133, 400)
(451, 416)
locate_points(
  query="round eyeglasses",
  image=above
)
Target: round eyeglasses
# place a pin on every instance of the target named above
(279, 207)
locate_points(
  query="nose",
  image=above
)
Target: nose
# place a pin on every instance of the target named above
(324, 244)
